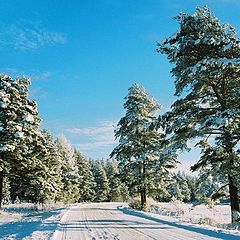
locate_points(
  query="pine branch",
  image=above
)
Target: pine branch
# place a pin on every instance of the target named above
(217, 194)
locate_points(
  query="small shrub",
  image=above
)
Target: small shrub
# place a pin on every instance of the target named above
(208, 221)
(151, 202)
(135, 203)
(178, 206)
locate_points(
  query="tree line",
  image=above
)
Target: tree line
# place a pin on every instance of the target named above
(37, 168)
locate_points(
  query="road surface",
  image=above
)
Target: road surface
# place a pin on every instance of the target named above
(111, 221)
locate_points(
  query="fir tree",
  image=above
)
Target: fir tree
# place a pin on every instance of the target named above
(206, 57)
(140, 151)
(192, 185)
(179, 188)
(51, 172)
(69, 171)
(86, 181)
(210, 186)
(41, 180)
(125, 195)
(102, 184)
(115, 184)
(19, 122)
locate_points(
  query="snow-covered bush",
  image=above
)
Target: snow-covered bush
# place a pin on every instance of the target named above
(135, 203)
(208, 221)
(178, 205)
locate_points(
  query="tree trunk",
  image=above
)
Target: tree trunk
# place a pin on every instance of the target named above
(234, 201)
(233, 189)
(143, 187)
(143, 199)
(1, 188)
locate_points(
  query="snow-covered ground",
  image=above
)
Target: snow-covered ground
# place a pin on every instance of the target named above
(21, 221)
(94, 221)
(216, 215)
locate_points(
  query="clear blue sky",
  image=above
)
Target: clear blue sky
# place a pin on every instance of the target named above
(83, 55)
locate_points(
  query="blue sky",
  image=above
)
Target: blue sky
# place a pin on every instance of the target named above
(83, 55)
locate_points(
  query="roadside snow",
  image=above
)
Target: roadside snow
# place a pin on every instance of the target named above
(217, 215)
(22, 222)
(202, 229)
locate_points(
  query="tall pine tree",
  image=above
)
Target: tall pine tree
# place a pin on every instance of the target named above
(115, 184)
(86, 182)
(69, 170)
(206, 57)
(140, 150)
(19, 122)
(102, 184)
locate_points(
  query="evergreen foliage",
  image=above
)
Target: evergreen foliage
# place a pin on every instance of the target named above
(115, 185)
(206, 57)
(141, 151)
(210, 186)
(19, 123)
(86, 182)
(102, 185)
(69, 171)
(183, 187)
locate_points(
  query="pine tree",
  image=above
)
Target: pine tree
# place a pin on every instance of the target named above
(210, 186)
(37, 175)
(140, 151)
(115, 184)
(124, 191)
(192, 185)
(86, 181)
(69, 170)
(19, 122)
(206, 57)
(102, 184)
(185, 190)
(179, 188)
(53, 161)
(51, 172)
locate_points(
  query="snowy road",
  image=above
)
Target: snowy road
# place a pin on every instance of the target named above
(108, 221)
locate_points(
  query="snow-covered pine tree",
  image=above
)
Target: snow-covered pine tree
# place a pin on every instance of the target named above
(179, 188)
(185, 190)
(19, 122)
(206, 57)
(35, 176)
(26, 174)
(52, 161)
(192, 185)
(102, 185)
(86, 181)
(115, 184)
(50, 175)
(140, 151)
(210, 186)
(125, 195)
(129, 182)
(69, 170)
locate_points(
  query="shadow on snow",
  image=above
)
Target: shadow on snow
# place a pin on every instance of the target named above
(27, 225)
(209, 233)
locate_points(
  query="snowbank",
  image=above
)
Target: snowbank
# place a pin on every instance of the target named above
(23, 222)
